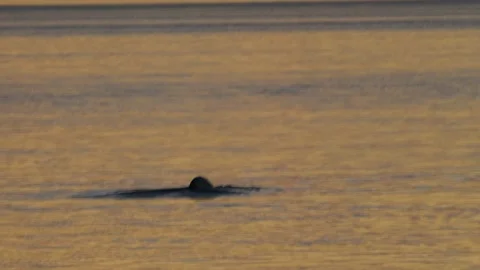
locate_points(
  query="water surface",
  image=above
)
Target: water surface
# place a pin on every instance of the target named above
(366, 116)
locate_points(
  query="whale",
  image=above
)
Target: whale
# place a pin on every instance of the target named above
(199, 187)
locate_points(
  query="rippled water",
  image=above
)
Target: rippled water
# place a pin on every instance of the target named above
(366, 116)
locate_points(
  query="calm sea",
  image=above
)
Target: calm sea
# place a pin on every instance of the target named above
(366, 115)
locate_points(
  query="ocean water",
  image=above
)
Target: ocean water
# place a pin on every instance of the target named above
(366, 115)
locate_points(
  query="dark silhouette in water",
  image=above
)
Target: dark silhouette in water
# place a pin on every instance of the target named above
(200, 187)
(200, 183)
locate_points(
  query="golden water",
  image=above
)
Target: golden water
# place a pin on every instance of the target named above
(372, 135)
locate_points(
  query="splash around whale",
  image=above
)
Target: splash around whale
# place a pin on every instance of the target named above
(200, 187)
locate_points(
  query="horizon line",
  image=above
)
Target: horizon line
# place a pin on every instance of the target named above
(235, 3)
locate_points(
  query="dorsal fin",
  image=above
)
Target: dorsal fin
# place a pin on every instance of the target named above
(200, 183)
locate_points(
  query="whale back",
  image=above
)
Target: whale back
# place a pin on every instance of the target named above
(200, 183)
